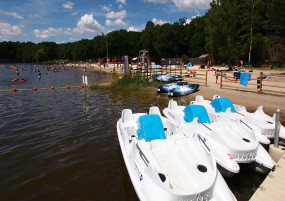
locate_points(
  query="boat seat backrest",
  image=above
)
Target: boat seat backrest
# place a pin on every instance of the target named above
(154, 110)
(199, 99)
(172, 105)
(150, 127)
(216, 96)
(127, 117)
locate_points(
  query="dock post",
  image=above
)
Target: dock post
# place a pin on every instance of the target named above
(221, 81)
(260, 84)
(206, 77)
(277, 128)
(126, 64)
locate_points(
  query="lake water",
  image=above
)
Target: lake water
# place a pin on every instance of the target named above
(62, 144)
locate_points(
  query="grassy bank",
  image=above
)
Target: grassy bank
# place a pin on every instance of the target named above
(129, 82)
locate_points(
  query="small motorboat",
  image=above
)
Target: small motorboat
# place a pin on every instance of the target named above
(164, 164)
(183, 90)
(167, 87)
(223, 136)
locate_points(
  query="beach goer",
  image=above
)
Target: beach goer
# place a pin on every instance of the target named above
(217, 75)
(17, 72)
(39, 74)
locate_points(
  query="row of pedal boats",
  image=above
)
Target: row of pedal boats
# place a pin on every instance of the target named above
(183, 154)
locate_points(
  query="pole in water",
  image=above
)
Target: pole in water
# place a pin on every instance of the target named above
(277, 128)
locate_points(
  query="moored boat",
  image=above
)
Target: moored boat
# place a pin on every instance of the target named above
(164, 164)
(167, 87)
(183, 90)
(168, 77)
(222, 135)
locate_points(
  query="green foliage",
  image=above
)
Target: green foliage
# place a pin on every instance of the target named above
(41, 55)
(135, 82)
(185, 58)
(232, 26)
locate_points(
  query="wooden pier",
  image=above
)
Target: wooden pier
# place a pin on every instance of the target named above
(273, 187)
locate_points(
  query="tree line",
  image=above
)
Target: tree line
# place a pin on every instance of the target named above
(232, 30)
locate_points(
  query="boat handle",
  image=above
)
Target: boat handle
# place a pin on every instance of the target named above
(238, 113)
(204, 125)
(200, 138)
(144, 158)
(268, 111)
(245, 124)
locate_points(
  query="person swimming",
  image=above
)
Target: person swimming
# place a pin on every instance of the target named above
(39, 74)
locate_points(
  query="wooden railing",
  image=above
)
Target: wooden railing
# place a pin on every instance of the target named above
(257, 83)
(199, 76)
(150, 70)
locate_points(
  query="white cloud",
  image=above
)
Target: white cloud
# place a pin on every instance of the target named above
(186, 4)
(192, 4)
(47, 33)
(7, 29)
(117, 22)
(34, 16)
(74, 13)
(187, 21)
(105, 8)
(120, 6)
(68, 5)
(159, 22)
(132, 29)
(13, 14)
(88, 24)
(121, 1)
(118, 15)
(157, 1)
(193, 17)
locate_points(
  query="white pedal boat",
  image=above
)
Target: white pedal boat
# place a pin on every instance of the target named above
(225, 137)
(163, 164)
(263, 121)
(223, 108)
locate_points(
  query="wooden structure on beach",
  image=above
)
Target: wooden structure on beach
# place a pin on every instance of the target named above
(259, 82)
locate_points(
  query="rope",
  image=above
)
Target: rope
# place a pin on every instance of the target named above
(11, 90)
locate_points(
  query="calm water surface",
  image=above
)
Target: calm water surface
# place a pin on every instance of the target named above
(62, 144)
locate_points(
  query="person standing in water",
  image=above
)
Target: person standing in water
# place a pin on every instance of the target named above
(39, 74)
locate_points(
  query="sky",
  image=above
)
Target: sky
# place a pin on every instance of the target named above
(63, 21)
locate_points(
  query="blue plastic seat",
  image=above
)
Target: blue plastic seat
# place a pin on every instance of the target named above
(222, 104)
(198, 111)
(150, 128)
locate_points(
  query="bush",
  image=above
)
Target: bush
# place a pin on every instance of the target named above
(136, 82)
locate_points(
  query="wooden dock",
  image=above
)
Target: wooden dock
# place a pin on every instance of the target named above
(273, 187)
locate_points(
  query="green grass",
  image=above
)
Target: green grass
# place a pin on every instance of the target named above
(135, 82)
(128, 82)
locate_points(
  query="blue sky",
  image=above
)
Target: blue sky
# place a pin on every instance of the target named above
(64, 21)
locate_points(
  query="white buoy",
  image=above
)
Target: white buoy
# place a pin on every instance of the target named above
(84, 78)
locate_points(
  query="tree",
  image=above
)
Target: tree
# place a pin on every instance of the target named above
(41, 55)
(221, 33)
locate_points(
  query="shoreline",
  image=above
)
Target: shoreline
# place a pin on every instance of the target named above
(249, 99)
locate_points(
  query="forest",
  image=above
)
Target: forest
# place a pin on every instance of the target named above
(231, 30)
